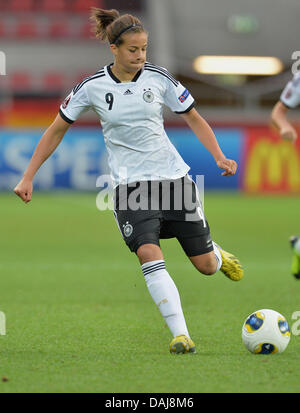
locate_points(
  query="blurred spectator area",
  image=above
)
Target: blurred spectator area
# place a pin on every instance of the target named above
(42, 20)
(50, 45)
(65, 6)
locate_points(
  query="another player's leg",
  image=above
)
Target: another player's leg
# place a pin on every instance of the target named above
(166, 296)
(295, 244)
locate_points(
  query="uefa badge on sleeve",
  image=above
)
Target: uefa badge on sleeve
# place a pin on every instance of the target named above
(66, 102)
(288, 94)
(184, 95)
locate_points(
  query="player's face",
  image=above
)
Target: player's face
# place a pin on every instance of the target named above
(131, 54)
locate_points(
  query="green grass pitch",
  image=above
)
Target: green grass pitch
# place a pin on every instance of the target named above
(79, 318)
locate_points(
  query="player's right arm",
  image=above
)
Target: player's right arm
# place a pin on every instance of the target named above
(289, 99)
(74, 104)
(281, 123)
(46, 146)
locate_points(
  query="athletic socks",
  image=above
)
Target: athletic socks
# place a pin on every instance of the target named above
(165, 295)
(218, 256)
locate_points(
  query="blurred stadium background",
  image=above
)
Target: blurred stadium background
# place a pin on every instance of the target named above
(79, 318)
(49, 47)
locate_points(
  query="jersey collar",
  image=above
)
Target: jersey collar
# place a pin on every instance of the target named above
(114, 78)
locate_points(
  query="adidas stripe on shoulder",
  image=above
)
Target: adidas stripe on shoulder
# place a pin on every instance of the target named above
(97, 75)
(164, 72)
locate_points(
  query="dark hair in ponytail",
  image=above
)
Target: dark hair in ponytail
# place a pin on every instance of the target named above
(109, 25)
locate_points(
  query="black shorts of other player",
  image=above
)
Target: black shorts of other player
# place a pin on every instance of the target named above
(148, 211)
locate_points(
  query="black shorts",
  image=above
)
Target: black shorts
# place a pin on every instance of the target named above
(147, 211)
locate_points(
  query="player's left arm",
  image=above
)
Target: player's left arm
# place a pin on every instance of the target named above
(208, 139)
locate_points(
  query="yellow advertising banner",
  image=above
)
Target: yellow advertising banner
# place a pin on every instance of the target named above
(270, 164)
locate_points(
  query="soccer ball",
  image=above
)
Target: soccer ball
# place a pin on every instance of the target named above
(266, 332)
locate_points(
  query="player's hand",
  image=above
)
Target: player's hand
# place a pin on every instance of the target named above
(288, 133)
(24, 190)
(228, 165)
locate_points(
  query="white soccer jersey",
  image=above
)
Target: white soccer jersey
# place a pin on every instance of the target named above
(290, 96)
(132, 122)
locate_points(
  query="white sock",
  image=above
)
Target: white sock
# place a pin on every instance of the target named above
(165, 295)
(218, 256)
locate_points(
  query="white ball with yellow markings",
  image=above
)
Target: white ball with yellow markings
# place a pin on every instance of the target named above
(266, 332)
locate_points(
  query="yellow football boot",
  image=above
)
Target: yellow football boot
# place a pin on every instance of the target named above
(182, 344)
(231, 266)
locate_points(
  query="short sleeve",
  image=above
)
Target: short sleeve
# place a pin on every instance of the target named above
(290, 95)
(178, 98)
(74, 104)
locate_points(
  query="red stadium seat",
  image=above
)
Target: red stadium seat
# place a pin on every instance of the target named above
(20, 5)
(27, 29)
(59, 29)
(3, 5)
(53, 81)
(86, 31)
(6, 29)
(52, 5)
(2, 30)
(84, 6)
(20, 81)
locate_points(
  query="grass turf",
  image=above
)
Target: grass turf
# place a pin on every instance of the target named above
(80, 319)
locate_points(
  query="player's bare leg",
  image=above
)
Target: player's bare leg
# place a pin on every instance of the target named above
(148, 253)
(216, 260)
(165, 295)
(205, 263)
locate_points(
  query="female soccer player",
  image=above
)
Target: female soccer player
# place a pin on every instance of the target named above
(289, 99)
(128, 96)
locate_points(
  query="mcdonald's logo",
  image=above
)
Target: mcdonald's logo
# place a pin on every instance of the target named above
(271, 165)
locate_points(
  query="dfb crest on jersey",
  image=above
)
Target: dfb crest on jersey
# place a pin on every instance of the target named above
(127, 229)
(148, 96)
